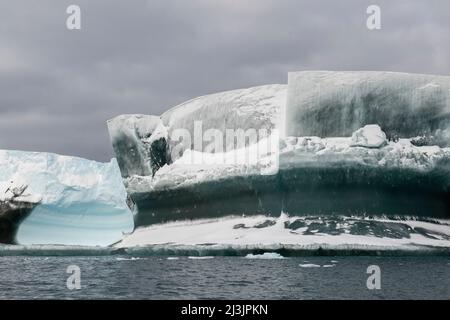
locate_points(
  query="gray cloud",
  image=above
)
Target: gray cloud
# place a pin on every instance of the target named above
(58, 87)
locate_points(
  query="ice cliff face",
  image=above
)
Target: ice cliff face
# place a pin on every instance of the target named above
(355, 143)
(335, 104)
(73, 200)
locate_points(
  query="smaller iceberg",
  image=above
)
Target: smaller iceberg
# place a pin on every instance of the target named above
(265, 256)
(52, 199)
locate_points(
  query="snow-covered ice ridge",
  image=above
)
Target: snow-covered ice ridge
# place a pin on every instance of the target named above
(73, 201)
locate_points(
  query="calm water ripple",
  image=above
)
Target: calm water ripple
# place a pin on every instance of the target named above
(113, 277)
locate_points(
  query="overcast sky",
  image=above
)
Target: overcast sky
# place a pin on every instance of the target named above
(58, 86)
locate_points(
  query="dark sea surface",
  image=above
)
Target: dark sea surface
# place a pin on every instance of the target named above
(125, 277)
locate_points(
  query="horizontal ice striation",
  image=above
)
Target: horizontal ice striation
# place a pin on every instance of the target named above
(334, 104)
(316, 176)
(76, 201)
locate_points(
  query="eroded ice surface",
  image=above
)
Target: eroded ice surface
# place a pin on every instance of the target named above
(81, 202)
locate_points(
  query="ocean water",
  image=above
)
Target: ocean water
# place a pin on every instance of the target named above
(262, 277)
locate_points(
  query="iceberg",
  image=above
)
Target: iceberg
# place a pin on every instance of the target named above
(351, 143)
(350, 162)
(52, 199)
(12, 213)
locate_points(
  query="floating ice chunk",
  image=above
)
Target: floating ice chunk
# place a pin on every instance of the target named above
(370, 136)
(265, 255)
(129, 259)
(309, 265)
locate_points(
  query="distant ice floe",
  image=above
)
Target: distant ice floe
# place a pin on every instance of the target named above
(265, 256)
(309, 265)
(313, 265)
(129, 259)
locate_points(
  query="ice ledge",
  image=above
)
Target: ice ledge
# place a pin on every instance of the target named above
(332, 232)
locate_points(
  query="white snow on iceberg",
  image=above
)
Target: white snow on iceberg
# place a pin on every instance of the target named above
(296, 233)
